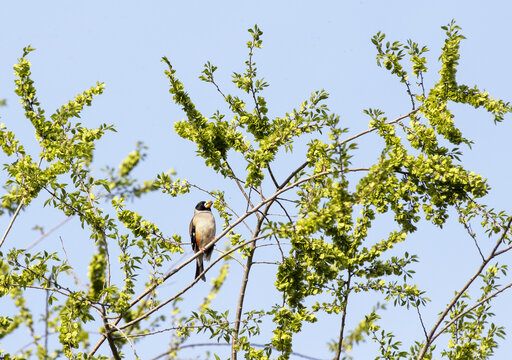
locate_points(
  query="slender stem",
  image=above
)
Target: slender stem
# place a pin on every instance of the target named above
(470, 232)
(240, 305)
(238, 183)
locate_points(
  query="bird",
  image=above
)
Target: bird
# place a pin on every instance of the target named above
(202, 233)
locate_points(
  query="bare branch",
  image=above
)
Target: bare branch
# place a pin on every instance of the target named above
(239, 185)
(43, 236)
(421, 322)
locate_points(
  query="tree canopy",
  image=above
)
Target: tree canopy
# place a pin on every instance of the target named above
(310, 221)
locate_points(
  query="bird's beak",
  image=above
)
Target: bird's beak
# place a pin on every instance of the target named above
(208, 204)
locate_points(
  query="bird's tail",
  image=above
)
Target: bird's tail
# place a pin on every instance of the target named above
(200, 268)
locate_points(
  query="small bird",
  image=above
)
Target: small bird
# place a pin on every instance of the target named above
(202, 233)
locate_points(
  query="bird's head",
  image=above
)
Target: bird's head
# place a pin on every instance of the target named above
(204, 205)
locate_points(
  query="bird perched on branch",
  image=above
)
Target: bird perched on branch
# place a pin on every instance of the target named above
(202, 233)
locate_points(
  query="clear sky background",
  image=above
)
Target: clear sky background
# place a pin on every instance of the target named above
(307, 46)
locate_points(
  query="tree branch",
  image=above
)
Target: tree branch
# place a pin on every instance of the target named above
(272, 176)
(400, 118)
(343, 317)
(12, 221)
(245, 279)
(108, 334)
(431, 336)
(302, 166)
(465, 312)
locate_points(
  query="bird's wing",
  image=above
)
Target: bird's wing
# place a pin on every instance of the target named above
(192, 230)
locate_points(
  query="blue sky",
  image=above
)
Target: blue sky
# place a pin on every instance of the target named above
(306, 47)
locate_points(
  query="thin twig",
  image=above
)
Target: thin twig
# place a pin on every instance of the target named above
(280, 248)
(75, 276)
(501, 252)
(470, 232)
(43, 236)
(421, 322)
(238, 183)
(265, 263)
(421, 82)
(284, 209)
(409, 92)
(272, 176)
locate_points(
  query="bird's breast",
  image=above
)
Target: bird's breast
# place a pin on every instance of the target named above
(205, 226)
